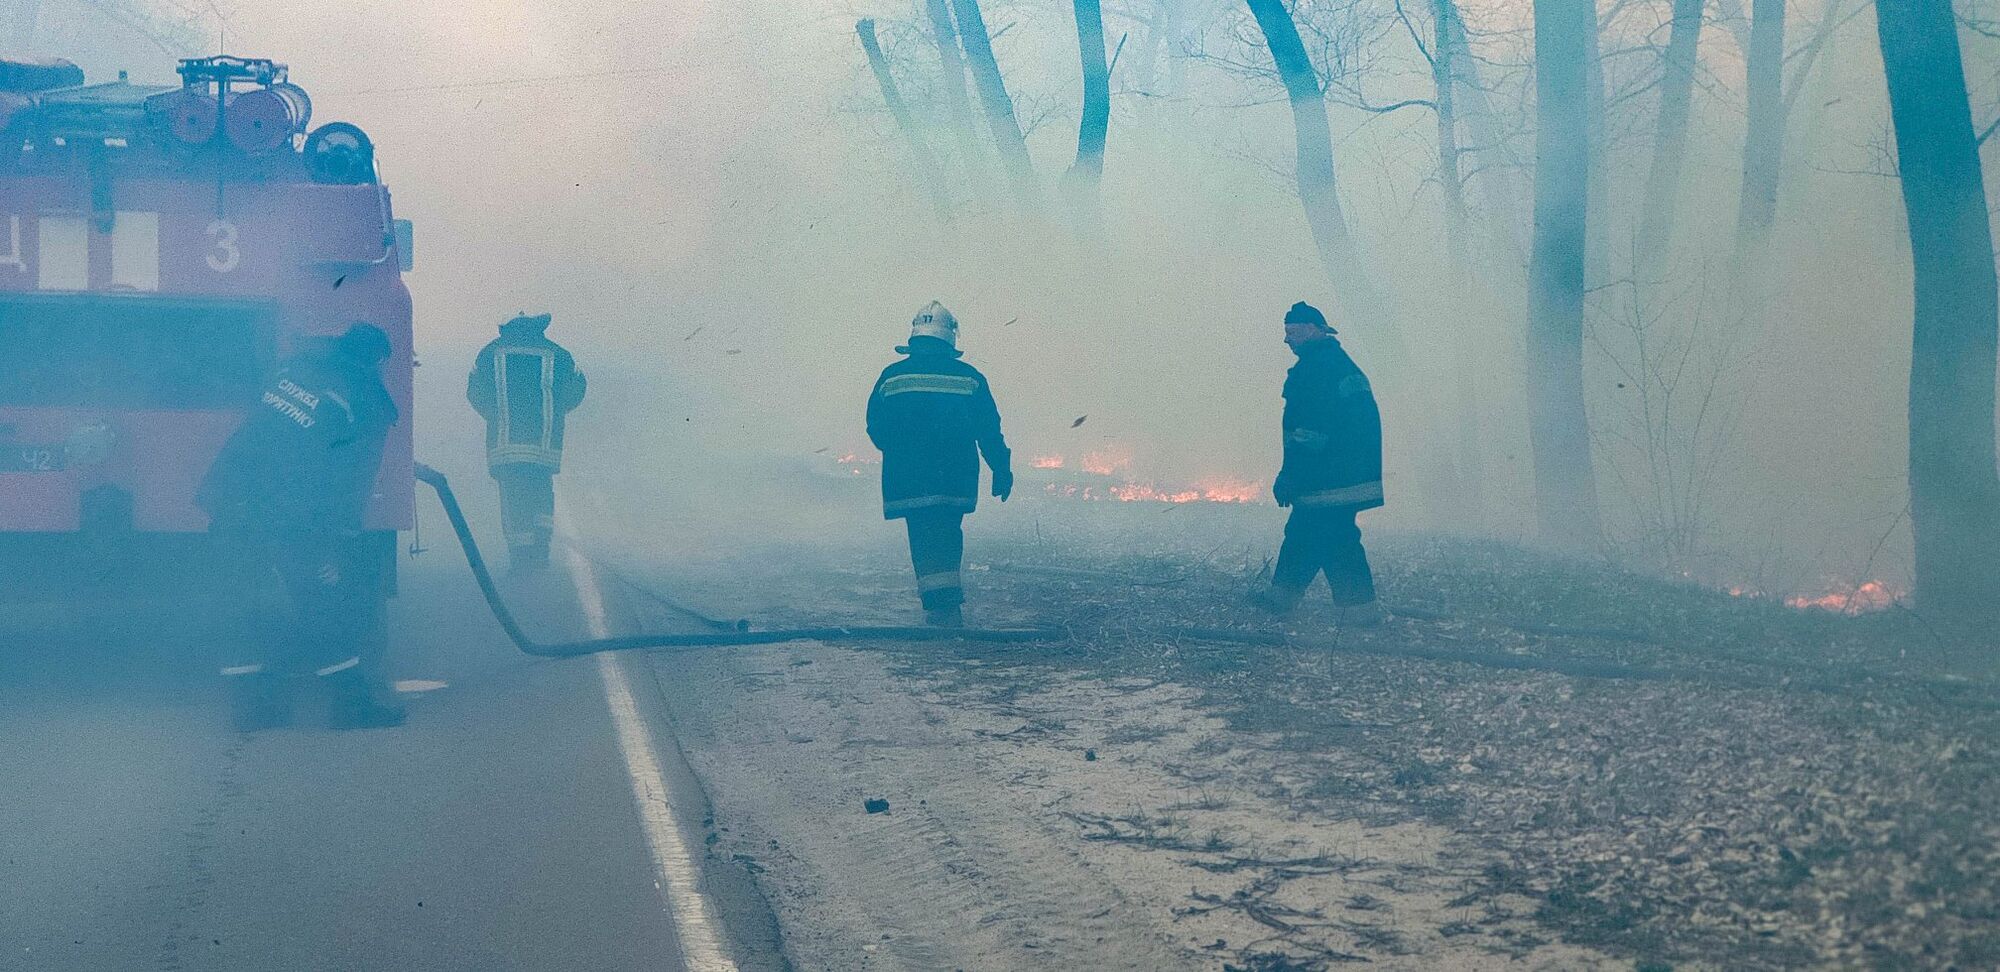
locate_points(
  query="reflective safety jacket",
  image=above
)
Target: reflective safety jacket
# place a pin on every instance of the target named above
(523, 384)
(303, 463)
(1333, 433)
(932, 416)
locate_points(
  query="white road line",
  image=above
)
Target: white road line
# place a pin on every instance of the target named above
(676, 874)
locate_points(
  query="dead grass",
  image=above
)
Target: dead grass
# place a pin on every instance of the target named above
(1776, 789)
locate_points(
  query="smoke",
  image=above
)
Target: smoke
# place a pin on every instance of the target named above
(731, 235)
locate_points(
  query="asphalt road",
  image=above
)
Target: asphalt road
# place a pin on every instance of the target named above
(497, 830)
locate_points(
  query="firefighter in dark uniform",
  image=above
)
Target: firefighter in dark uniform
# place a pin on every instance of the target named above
(286, 497)
(1332, 472)
(523, 385)
(932, 415)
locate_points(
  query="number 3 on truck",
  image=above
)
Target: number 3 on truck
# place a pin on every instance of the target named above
(223, 256)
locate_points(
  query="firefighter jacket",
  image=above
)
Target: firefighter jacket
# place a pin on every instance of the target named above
(932, 416)
(523, 384)
(303, 463)
(1333, 433)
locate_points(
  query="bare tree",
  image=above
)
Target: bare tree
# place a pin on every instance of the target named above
(1492, 153)
(1093, 128)
(1764, 140)
(999, 107)
(892, 97)
(1663, 179)
(1445, 58)
(944, 34)
(1954, 488)
(1318, 192)
(1565, 485)
(1163, 31)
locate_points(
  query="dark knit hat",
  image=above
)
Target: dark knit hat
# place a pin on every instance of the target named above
(1304, 313)
(364, 342)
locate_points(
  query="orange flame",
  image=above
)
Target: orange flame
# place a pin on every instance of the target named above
(1871, 595)
(1046, 462)
(1107, 462)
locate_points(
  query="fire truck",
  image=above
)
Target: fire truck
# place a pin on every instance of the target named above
(161, 248)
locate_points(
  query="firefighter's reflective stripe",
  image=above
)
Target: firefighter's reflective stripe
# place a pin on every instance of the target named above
(516, 452)
(243, 670)
(338, 667)
(932, 384)
(967, 503)
(939, 581)
(505, 449)
(1367, 492)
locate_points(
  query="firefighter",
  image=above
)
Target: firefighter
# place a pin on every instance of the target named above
(523, 384)
(286, 497)
(932, 416)
(1332, 472)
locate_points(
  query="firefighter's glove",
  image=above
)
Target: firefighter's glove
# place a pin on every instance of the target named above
(1283, 492)
(329, 574)
(1003, 483)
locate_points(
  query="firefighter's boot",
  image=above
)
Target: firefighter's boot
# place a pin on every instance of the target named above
(949, 616)
(354, 705)
(1277, 600)
(258, 701)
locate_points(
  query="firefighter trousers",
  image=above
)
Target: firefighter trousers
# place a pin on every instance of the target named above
(1325, 539)
(527, 510)
(937, 550)
(329, 628)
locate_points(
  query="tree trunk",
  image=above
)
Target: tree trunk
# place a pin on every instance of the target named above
(1764, 141)
(1597, 246)
(920, 154)
(1565, 486)
(944, 34)
(1954, 490)
(999, 108)
(1506, 196)
(1318, 193)
(1663, 180)
(1444, 59)
(1082, 181)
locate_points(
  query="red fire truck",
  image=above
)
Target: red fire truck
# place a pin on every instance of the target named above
(161, 247)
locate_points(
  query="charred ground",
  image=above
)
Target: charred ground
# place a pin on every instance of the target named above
(1645, 769)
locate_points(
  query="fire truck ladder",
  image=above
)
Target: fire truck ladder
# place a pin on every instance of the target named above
(736, 635)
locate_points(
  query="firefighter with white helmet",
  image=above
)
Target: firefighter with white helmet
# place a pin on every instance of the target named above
(933, 416)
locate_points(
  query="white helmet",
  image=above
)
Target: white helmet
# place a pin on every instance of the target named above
(934, 321)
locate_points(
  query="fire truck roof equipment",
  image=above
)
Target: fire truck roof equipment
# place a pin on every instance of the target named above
(24, 75)
(341, 154)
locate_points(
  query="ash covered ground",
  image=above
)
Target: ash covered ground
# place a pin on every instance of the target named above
(1537, 761)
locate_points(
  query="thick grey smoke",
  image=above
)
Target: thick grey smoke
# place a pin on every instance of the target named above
(713, 202)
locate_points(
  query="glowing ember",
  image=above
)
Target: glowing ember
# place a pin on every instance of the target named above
(1231, 491)
(856, 463)
(1146, 493)
(1107, 462)
(1046, 462)
(1220, 491)
(1869, 596)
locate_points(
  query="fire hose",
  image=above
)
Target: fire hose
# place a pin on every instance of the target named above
(735, 635)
